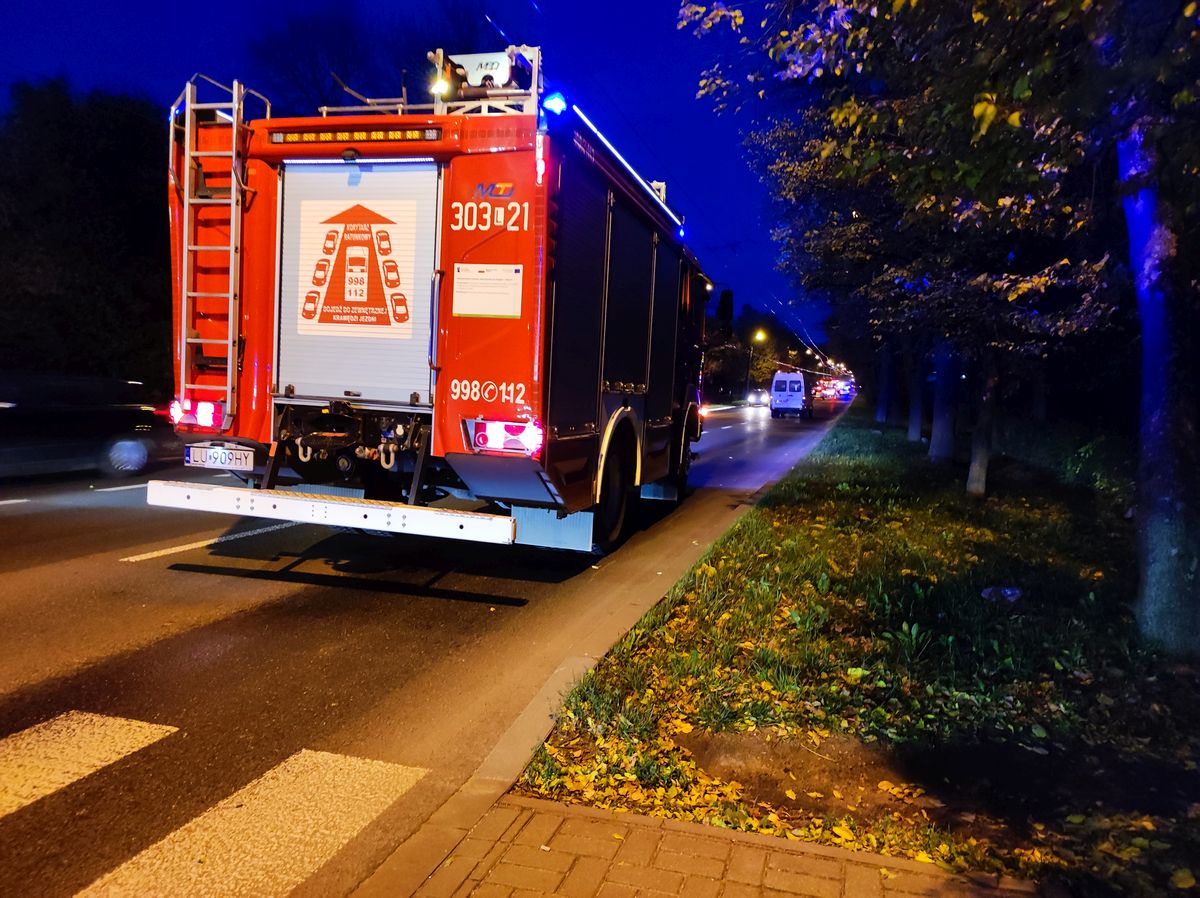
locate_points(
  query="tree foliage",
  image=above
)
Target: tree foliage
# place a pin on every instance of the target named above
(954, 165)
(921, 174)
(82, 223)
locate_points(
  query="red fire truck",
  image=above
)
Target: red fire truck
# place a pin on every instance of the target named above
(468, 319)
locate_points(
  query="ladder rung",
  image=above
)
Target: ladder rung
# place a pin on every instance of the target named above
(229, 106)
(211, 201)
(207, 340)
(227, 153)
(193, 293)
(215, 387)
(196, 247)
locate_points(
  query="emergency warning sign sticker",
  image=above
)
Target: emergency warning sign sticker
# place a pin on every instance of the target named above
(356, 268)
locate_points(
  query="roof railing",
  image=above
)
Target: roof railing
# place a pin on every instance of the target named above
(466, 84)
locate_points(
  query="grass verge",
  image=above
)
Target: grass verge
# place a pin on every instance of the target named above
(870, 659)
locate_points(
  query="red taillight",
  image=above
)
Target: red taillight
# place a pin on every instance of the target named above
(202, 414)
(206, 414)
(526, 437)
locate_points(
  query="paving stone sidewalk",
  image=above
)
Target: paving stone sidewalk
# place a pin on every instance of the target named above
(525, 847)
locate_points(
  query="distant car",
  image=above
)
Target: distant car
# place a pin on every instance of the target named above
(58, 423)
(758, 398)
(842, 388)
(399, 308)
(391, 273)
(321, 273)
(330, 243)
(384, 241)
(310, 304)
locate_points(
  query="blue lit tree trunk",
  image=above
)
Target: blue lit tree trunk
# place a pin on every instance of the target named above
(914, 374)
(981, 438)
(1168, 515)
(883, 384)
(945, 398)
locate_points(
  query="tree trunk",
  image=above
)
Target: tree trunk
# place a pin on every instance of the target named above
(883, 384)
(1168, 514)
(945, 397)
(981, 439)
(896, 406)
(916, 393)
(1040, 393)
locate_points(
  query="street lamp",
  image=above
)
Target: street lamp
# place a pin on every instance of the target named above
(759, 336)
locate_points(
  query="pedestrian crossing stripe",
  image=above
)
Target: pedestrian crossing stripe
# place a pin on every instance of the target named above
(269, 837)
(54, 754)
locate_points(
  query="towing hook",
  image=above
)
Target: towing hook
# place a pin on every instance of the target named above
(304, 453)
(387, 455)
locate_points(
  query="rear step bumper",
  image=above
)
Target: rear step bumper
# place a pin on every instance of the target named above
(334, 511)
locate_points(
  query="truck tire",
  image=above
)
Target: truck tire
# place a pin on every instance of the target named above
(124, 456)
(682, 471)
(610, 514)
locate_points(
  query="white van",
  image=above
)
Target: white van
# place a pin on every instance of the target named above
(789, 396)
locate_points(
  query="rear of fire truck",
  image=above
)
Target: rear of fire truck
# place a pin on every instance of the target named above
(364, 316)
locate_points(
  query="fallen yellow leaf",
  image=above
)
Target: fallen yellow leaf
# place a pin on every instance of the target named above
(1183, 879)
(843, 833)
(885, 786)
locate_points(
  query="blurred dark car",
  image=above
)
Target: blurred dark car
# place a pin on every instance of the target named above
(56, 423)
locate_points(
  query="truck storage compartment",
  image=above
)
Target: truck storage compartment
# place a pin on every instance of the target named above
(356, 267)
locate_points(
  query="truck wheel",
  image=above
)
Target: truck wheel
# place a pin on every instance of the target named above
(680, 477)
(608, 517)
(124, 456)
(774, 413)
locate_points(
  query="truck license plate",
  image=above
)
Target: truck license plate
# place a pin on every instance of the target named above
(219, 457)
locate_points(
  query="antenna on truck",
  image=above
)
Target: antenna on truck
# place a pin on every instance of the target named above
(384, 104)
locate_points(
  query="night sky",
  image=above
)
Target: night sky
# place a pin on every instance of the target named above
(623, 62)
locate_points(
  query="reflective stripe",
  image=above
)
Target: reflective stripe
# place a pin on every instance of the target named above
(52, 755)
(269, 837)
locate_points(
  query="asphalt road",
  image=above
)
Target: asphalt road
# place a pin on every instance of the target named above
(178, 690)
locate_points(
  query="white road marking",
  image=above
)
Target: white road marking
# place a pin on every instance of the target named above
(200, 544)
(12, 501)
(269, 837)
(47, 757)
(727, 426)
(226, 474)
(117, 489)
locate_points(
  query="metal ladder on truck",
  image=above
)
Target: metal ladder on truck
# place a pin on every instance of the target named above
(212, 186)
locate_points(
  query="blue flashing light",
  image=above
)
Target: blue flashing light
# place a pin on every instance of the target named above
(629, 168)
(555, 103)
(681, 233)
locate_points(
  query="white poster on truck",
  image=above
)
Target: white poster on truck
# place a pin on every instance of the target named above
(357, 250)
